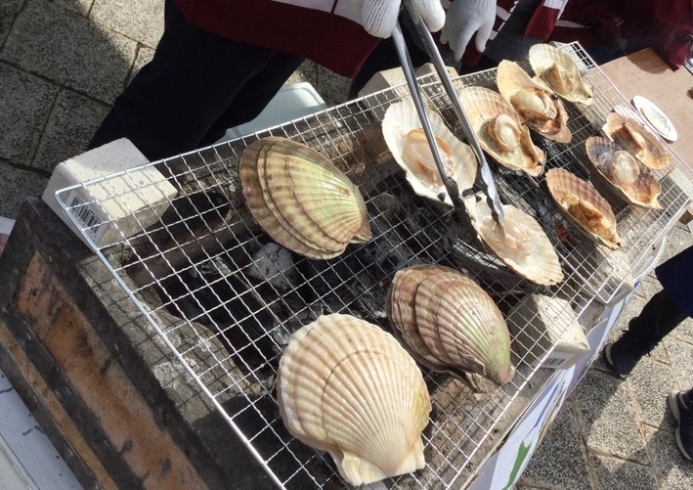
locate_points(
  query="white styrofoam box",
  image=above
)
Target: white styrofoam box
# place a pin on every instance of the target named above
(537, 322)
(293, 100)
(129, 197)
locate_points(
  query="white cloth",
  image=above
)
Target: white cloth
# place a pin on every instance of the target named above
(380, 16)
(464, 18)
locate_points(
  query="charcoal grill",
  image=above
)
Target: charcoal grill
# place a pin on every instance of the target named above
(225, 299)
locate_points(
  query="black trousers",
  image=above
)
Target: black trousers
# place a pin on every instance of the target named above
(197, 85)
(658, 317)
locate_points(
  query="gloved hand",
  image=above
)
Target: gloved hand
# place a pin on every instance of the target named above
(464, 18)
(380, 16)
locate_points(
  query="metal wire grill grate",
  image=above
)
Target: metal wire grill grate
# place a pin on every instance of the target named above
(226, 300)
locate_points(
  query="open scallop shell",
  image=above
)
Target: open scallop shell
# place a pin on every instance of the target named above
(534, 101)
(449, 323)
(560, 72)
(522, 245)
(347, 387)
(640, 142)
(406, 140)
(583, 206)
(625, 174)
(301, 199)
(501, 131)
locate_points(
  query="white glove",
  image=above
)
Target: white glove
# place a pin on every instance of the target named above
(464, 18)
(380, 16)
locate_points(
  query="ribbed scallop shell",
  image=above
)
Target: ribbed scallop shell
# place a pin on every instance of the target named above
(482, 106)
(449, 323)
(302, 200)
(560, 72)
(583, 206)
(515, 84)
(522, 246)
(348, 387)
(400, 120)
(640, 142)
(625, 174)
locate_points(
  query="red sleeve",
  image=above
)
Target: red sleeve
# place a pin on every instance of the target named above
(330, 40)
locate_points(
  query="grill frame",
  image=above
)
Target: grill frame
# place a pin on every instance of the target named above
(465, 428)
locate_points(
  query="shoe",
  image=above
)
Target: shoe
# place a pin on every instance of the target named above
(620, 363)
(684, 421)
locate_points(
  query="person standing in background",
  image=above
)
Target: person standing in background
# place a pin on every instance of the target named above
(220, 62)
(662, 314)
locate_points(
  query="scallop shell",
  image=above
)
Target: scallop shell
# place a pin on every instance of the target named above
(583, 206)
(484, 108)
(449, 323)
(405, 138)
(522, 245)
(624, 173)
(560, 72)
(640, 142)
(302, 200)
(534, 101)
(347, 387)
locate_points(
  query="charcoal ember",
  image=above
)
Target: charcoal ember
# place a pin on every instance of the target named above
(298, 315)
(216, 296)
(326, 281)
(426, 225)
(274, 264)
(386, 253)
(369, 295)
(385, 207)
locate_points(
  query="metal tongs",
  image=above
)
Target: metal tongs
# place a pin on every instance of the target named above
(450, 185)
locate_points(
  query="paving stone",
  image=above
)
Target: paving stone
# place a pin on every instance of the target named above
(81, 6)
(558, 461)
(332, 88)
(72, 124)
(144, 56)
(651, 382)
(680, 355)
(306, 72)
(684, 331)
(632, 309)
(607, 416)
(673, 470)
(649, 286)
(26, 102)
(23, 184)
(8, 10)
(679, 239)
(141, 20)
(617, 474)
(63, 46)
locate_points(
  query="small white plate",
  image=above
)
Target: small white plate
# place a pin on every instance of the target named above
(656, 118)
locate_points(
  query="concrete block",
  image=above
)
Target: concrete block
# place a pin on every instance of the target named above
(539, 322)
(129, 198)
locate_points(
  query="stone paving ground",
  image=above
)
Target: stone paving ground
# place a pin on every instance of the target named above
(63, 62)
